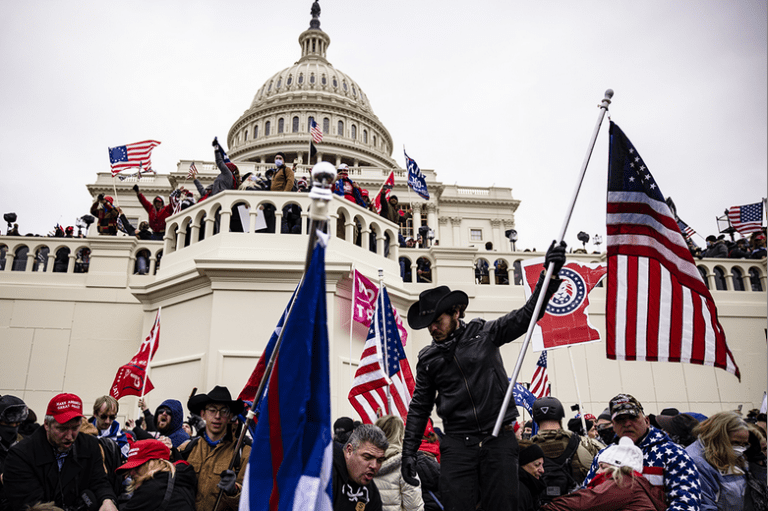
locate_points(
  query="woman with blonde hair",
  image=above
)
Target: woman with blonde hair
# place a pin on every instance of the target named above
(618, 485)
(396, 494)
(718, 453)
(156, 483)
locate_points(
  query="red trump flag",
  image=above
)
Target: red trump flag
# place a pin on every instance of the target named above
(130, 378)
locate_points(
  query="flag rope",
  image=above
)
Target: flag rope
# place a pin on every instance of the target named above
(603, 106)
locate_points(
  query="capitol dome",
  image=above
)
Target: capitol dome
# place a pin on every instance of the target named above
(282, 109)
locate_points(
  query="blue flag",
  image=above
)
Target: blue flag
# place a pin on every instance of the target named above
(525, 398)
(416, 179)
(292, 453)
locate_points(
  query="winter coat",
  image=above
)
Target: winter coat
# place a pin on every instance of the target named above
(396, 494)
(635, 495)
(224, 181)
(554, 441)
(667, 465)
(209, 463)
(388, 211)
(283, 180)
(347, 495)
(156, 216)
(32, 474)
(428, 471)
(528, 491)
(718, 249)
(339, 188)
(465, 375)
(107, 218)
(114, 433)
(175, 431)
(149, 496)
(718, 491)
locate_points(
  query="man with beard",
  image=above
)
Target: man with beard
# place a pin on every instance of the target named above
(57, 464)
(169, 419)
(210, 453)
(463, 373)
(13, 412)
(354, 467)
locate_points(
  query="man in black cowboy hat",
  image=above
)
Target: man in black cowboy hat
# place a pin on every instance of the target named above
(211, 452)
(462, 371)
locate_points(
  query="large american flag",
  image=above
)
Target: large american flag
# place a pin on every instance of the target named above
(369, 388)
(658, 308)
(314, 130)
(540, 381)
(747, 219)
(131, 156)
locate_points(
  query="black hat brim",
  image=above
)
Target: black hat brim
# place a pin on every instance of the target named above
(221, 395)
(417, 320)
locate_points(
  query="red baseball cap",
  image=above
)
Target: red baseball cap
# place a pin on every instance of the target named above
(143, 451)
(65, 407)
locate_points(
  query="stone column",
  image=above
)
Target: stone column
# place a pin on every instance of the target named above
(496, 233)
(456, 223)
(432, 217)
(416, 219)
(443, 221)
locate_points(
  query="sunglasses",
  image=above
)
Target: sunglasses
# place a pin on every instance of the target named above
(104, 417)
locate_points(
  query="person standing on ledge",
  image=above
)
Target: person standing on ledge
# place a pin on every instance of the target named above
(462, 371)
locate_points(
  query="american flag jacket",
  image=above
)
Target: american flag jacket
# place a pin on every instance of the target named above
(666, 464)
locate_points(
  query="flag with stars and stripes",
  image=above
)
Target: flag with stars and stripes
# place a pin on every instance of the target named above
(540, 380)
(685, 229)
(383, 383)
(192, 171)
(314, 130)
(747, 219)
(129, 156)
(658, 307)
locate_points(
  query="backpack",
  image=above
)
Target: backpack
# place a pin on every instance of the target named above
(558, 473)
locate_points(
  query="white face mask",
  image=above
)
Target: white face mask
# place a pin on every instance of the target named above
(739, 450)
(278, 162)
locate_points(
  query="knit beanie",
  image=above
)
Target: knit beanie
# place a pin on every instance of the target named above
(530, 453)
(625, 454)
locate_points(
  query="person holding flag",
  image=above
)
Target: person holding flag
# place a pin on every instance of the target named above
(462, 371)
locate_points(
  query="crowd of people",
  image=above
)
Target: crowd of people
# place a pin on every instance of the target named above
(625, 459)
(743, 248)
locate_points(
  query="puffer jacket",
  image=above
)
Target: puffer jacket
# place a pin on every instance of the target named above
(396, 494)
(468, 381)
(718, 491)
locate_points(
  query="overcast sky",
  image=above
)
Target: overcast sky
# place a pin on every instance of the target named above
(490, 92)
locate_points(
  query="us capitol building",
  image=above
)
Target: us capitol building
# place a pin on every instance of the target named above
(223, 292)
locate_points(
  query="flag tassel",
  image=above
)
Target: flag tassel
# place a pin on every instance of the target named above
(550, 269)
(321, 195)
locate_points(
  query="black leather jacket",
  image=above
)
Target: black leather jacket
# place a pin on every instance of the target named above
(468, 381)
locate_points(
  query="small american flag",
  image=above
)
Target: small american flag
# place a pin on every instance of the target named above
(540, 380)
(192, 171)
(658, 308)
(369, 388)
(131, 156)
(747, 219)
(317, 135)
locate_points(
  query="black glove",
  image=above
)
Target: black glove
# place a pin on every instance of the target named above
(100, 197)
(136, 188)
(227, 483)
(408, 469)
(555, 254)
(215, 142)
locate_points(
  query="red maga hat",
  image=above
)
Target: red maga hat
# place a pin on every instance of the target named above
(65, 407)
(143, 451)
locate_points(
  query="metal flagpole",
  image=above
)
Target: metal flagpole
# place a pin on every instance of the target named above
(351, 323)
(322, 178)
(414, 227)
(578, 394)
(383, 332)
(151, 349)
(550, 269)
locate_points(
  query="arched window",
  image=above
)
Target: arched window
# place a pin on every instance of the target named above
(61, 263)
(324, 80)
(279, 83)
(267, 128)
(309, 123)
(312, 78)
(703, 273)
(365, 136)
(41, 259)
(481, 272)
(255, 131)
(340, 129)
(720, 279)
(738, 279)
(270, 87)
(295, 127)
(289, 80)
(326, 125)
(502, 272)
(754, 279)
(374, 141)
(245, 135)
(335, 83)
(405, 269)
(423, 270)
(280, 125)
(354, 132)
(20, 258)
(301, 79)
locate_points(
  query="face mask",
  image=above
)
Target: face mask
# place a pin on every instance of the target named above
(279, 163)
(739, 450)
(8, 434)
